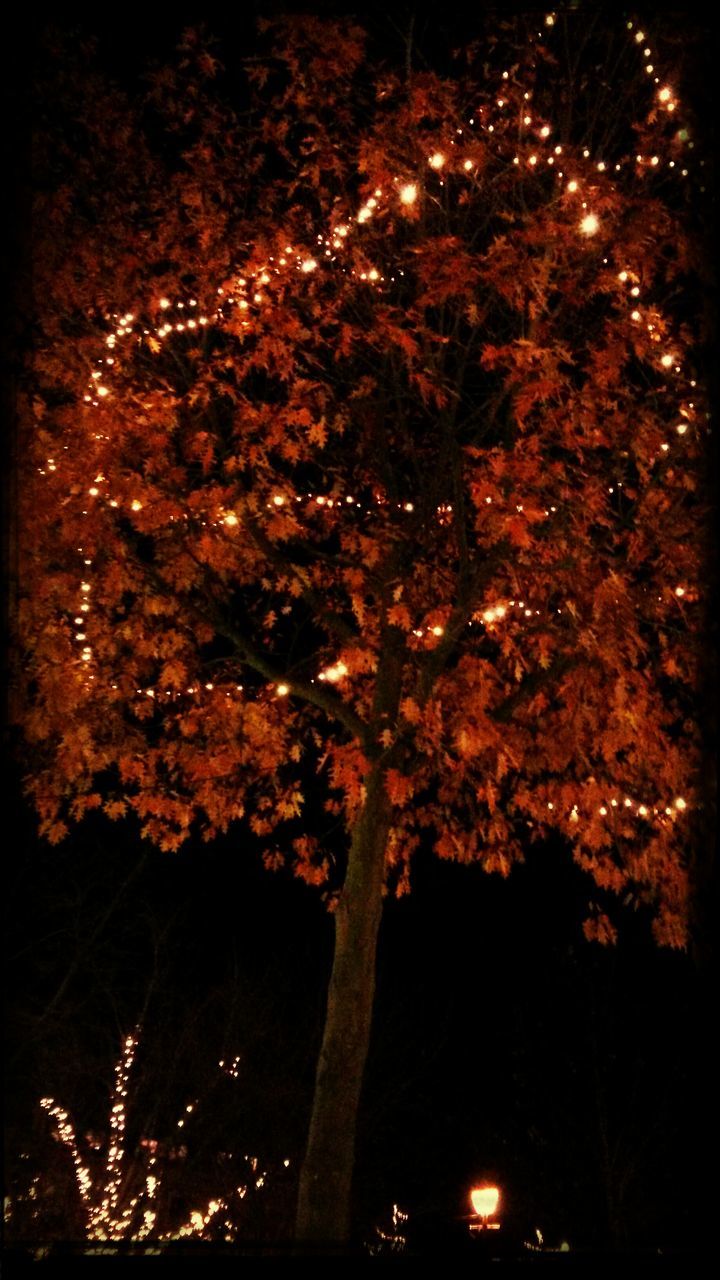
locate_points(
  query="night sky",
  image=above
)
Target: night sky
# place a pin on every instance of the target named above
(504, 1045)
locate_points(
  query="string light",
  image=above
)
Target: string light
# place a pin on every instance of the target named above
(589, 225)
(408, 195)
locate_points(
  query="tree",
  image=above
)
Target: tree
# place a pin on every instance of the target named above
(361, 446)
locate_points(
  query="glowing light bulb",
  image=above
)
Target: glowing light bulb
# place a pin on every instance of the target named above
(436, 160)
(230, 519)
(589, 225)
(282, 690)
(680, 803)
(572, 186)
(408, 193)
(136, 505)
(309, 265)
(666, 361)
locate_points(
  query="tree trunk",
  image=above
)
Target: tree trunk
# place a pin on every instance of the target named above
(323, 1215)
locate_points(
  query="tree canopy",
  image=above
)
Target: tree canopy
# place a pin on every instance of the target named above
(384, 370)
(361, 458)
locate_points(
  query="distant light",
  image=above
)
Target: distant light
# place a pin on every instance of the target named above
(309, 265)
(436, 160)
(408, 193)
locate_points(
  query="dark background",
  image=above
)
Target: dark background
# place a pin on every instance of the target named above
(504, 1045)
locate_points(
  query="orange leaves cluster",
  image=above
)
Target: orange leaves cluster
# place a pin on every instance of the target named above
(448, 477)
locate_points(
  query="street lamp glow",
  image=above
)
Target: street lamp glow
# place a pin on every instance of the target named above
(484, 1201)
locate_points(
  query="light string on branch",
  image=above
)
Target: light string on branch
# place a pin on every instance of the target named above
(114, 1207)
(246, 295)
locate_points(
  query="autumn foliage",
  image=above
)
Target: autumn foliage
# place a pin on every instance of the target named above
(361, 441)
(342, 390)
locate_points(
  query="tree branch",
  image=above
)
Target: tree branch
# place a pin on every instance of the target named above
(332, 620)
(532, 684)
(321, 697)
